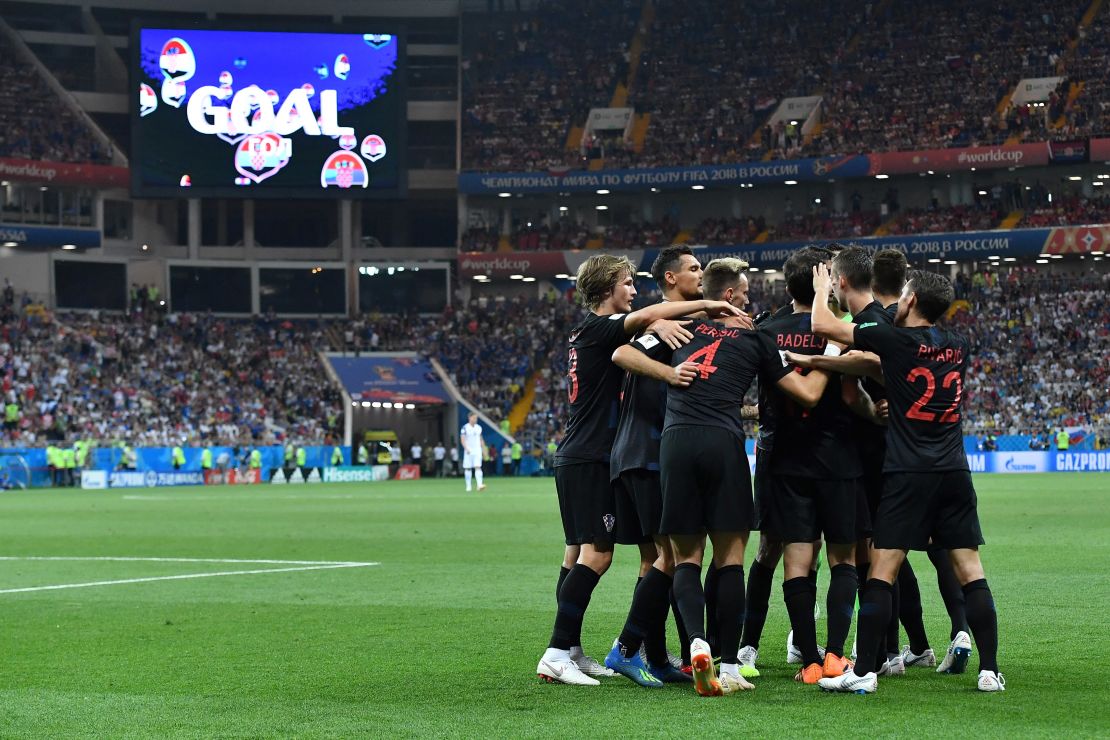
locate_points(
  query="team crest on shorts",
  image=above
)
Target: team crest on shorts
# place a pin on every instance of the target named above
(610, 521)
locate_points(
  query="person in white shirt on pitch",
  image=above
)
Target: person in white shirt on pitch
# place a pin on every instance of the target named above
(471, 437)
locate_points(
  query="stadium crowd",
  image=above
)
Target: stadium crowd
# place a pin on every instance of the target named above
(525, 78)
(158, 379)
(890, 78)
(1040, 362)
(991, 205)
(37, 125)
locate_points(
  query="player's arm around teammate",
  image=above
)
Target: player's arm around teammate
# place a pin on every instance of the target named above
(928, 494)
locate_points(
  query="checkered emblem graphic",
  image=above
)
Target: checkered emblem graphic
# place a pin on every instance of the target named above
(610, 521)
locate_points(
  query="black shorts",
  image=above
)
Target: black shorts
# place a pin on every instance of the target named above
(639, 506)
(707, 485)
(919, 507)
(764, 494)
(804, 508)
(586, 503)
(872, 482)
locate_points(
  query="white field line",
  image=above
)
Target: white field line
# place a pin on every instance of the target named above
(115, 559)
(154, 497)
(181, 577)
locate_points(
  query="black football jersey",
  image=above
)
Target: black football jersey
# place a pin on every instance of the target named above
(643, 407)
(810, 443)
(766, 439)
(729, 360)
(593, 389)
(924, 370)
(872, 437)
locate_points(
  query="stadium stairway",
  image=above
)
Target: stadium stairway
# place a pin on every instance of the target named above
(639, 131)
(1074, 89)
(574, 138)
(335, 338)
(1011, 220)
(883, 229)
(619, 99)
(520, 410)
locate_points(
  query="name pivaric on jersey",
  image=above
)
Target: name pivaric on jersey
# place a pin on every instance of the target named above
(593, 389)
(814, 443)
(924, 370)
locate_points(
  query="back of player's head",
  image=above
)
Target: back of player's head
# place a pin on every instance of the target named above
(668, 261)
(597, 277)
(798, 270)
(854, 265)
(720, 275)
(889, 267)
(934, 293)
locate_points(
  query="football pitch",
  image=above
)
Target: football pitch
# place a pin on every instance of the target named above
(413, 609)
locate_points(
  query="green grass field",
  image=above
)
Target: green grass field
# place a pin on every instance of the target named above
(441, 636)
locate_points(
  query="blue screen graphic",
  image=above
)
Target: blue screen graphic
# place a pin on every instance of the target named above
(267, 114)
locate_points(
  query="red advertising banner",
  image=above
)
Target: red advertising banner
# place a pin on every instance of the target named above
(232, 477)
(407, 472)
(503, 264)
(63, 173)
(979, 157)
(1078, 240)
(1100, 150)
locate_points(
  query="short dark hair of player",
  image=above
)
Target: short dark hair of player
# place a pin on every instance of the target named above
(667, 261)
(720, 275)
(854, 265)
(798, 270)
(888, 271)
(934, 294)
(597, 277)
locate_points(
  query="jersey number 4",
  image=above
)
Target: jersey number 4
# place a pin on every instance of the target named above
(572, 375)
(917, 410)
(706, 355)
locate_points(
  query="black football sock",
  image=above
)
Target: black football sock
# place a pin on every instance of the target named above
(863, 572)
(655, 644)
(800, 596)
(691, 598)
(651, 594)
(680, 625)
(874, 614)
(983, 618)
(563, 571)
(574, 597)
(950, 591)
(892, 647)
(839, 605)
(909, 609)
(757, 603)
(712, 629)
(730, 610)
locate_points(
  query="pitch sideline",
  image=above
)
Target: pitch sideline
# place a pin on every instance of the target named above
(297, 565)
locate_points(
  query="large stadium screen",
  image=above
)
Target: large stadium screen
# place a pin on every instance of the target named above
(257, 114)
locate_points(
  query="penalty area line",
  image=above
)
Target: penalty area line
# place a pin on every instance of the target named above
(184, 576)
(124, 559)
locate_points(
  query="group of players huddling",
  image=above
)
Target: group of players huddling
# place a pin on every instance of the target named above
(860, 451)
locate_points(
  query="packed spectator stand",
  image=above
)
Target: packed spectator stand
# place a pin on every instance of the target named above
(37, 124)
(710, 74)
(987, 211)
